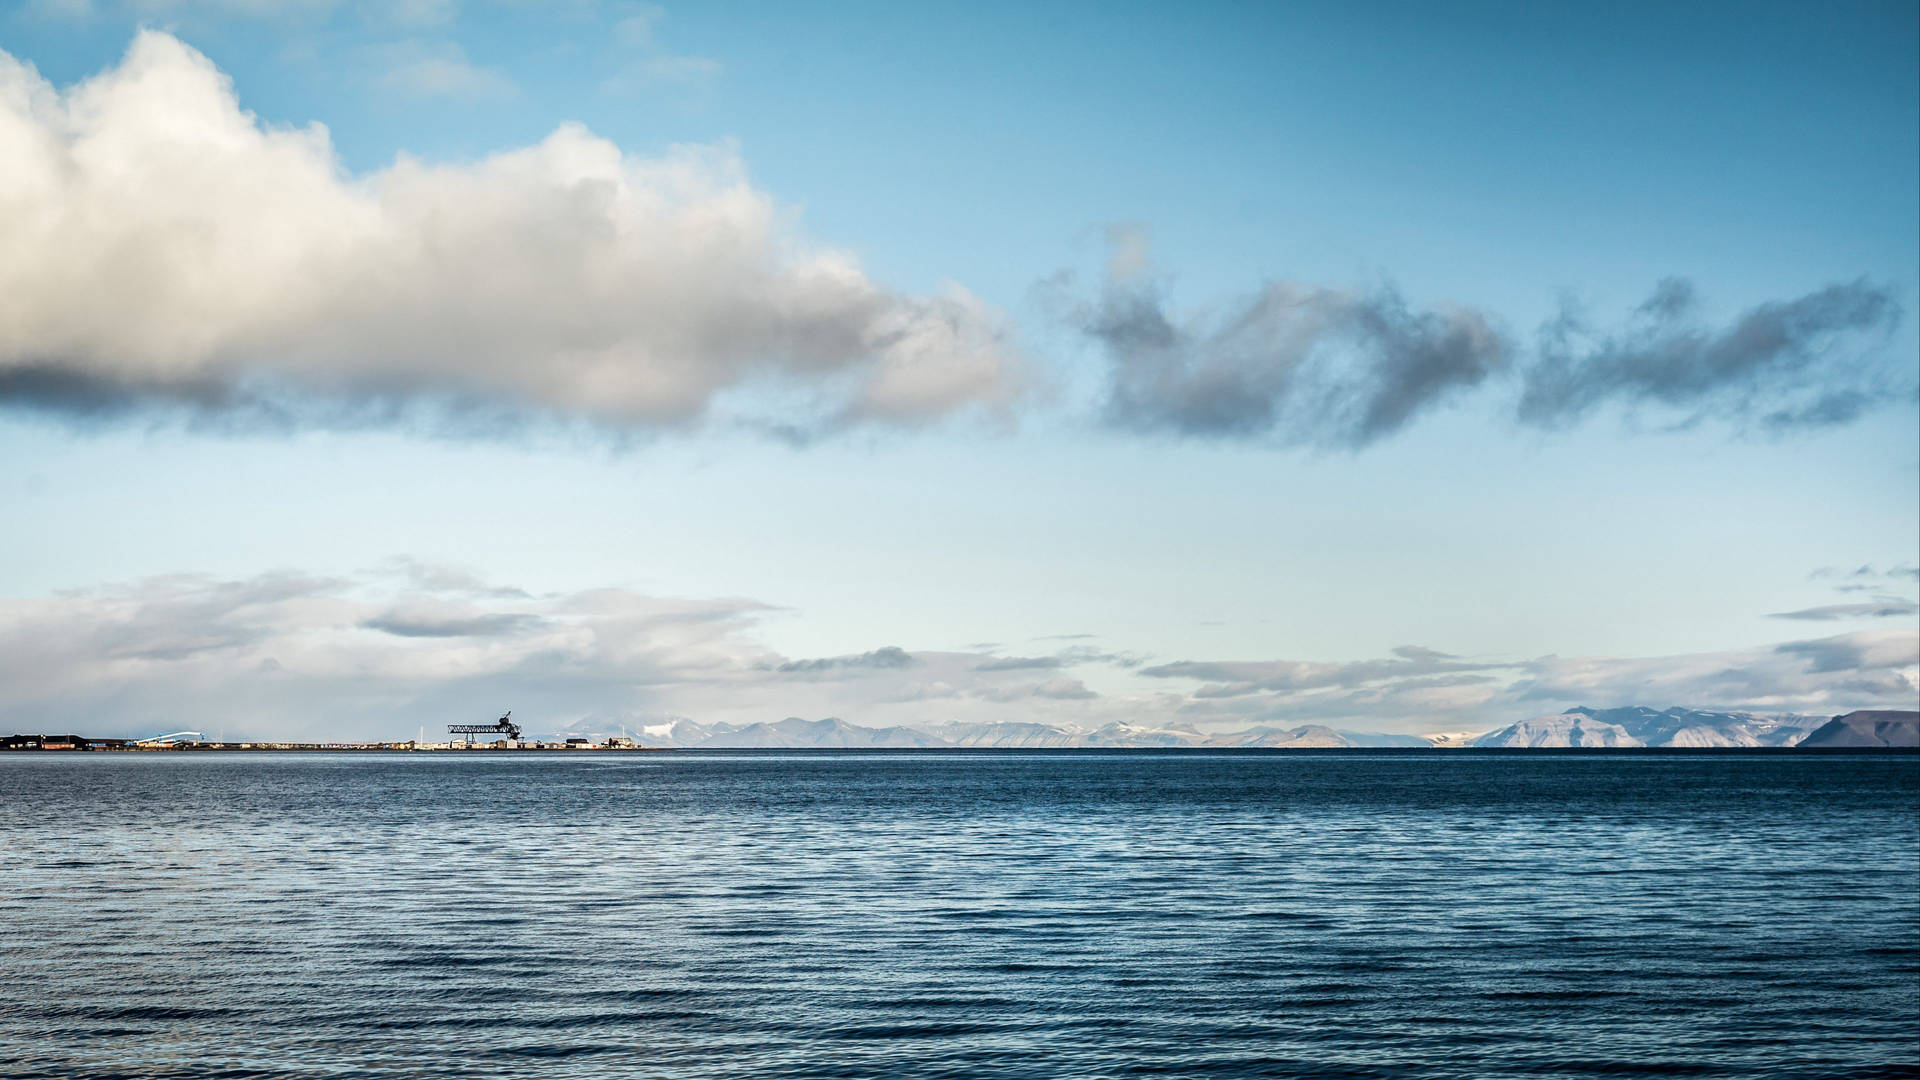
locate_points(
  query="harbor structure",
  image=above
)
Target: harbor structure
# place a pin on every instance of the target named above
(512, 739)
(503, 726)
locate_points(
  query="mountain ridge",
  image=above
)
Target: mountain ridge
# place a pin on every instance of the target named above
(1625, 727)
(1867, 729)
(1642, 726)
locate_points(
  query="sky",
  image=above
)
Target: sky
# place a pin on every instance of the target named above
(1396, 367)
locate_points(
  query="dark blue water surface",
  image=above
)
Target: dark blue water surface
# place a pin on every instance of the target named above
(954, 915)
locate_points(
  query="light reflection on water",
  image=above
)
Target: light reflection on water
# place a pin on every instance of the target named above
(1439, 914)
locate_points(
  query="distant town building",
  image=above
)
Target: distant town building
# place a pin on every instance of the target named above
(60, 742)
(43, 742)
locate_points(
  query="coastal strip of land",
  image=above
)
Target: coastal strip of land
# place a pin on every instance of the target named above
(164, 743)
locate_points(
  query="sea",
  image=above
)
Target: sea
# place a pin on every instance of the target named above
(1309, 914)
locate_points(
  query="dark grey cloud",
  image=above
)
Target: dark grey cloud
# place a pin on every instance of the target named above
(1070, 656)
(45, 386)
(1827, 655)
(1869, 579)
(1064, 689)
(1422, 654)
(1881, 609)
(1783, 364)
(1863, 571)
(267, 403)
(495, 624)
(887, 656)
(1300, 365)
(1311, 365)
(1018, 663)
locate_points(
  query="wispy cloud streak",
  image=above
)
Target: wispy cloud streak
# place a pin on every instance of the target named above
(1783, 364)
(1298, 364)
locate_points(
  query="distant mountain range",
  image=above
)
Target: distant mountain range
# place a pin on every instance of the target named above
(1867, 729)
(834, 733)
(1633, 726)
(1638, 725)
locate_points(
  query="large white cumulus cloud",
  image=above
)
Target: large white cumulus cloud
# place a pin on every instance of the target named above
(161, 245)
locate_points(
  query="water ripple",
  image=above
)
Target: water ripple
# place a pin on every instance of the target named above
(848, 916)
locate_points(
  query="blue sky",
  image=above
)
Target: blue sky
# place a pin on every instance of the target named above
(1031, 287)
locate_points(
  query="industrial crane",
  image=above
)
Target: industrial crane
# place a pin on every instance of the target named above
(503, 726)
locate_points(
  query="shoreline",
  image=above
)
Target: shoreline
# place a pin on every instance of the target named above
(990, 751)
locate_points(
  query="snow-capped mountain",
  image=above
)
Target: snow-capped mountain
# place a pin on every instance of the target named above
(1641, 726)
(792, 733)
(1633, 726)
(1311, 736)
(833, 733)
(1007, 736)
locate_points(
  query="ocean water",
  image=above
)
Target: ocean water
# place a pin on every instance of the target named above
(1432, 914)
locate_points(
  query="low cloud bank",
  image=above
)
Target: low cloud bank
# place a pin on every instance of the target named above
(385, 652)
(166, 251)
(1884, 609)
(1869, 668)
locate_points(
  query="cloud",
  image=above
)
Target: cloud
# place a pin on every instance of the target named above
(1300, 364)
(1018, 663)
(1875, 667)
(1070, 656)
(1869, 579)
(1064, 689)
(169, 254)
(420, 12)
(686, 72)
(1061, 688)
(637, 28)
(408, 12)
(441, 578)
(1237, 678)
(171, 257)
(647, 63)
(380, 654)
(440, 623)
(60, 9)
(290, 653)
(438, 70)
(1783, 364)
(1312, 365)
(1881, 609)
(1868, 650)
(1424, 690)
(890, 656)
